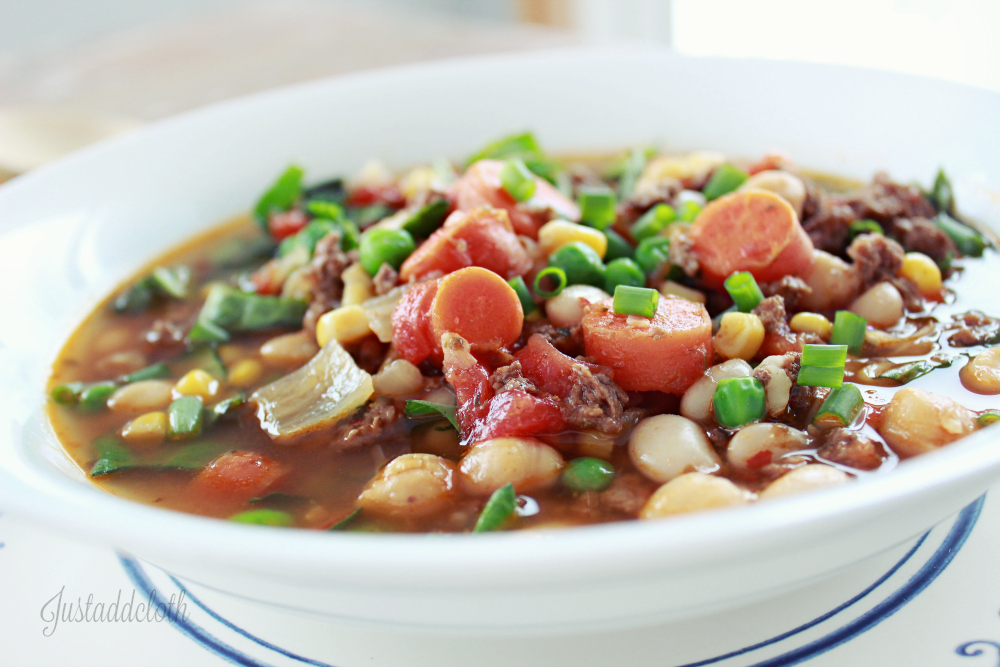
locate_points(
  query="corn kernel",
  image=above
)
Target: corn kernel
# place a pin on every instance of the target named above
(245, 373)
(197, 383)
(358, 286)
(149, 428)
(345, 324)
(813, 323)
(740, 336)
(557, 233)
(670, 288)
(924, 273)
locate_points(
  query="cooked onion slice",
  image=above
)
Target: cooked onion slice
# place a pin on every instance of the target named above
(325, 390)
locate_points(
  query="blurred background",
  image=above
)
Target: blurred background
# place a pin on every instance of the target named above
(73, 71)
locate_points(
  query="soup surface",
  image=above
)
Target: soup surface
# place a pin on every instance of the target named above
(523, 341)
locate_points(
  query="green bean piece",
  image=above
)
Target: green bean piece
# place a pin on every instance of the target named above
(95, 396)
(155, 372)
(651, 253)
(968, 240)
(173, 281)
(942, 196)
(263, 517)
(185, 418)
(67, 394)
(738, 401)
(623, 271)
(841, 406)
(588, 474)
(517, 180)
(653, 221)
(112, 456)
(617, 246)
(597, 206)
(280, 196)
(580, 262)
(384, 246)
(427, 219)
(499, 507)
(554, 274)
(725, 179)
(227, 309)
(205, 332)
(136, 298)
(427, 408)
(523, 294)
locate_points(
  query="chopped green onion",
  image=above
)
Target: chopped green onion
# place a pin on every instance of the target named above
(815, 376)
(499, 507)
(263, 517)
(171, 281)
(184, 418)
(617, 246)
(582, 264)
(724, 180)
(841, 406)
(742, 287)
(67, 394)
(428, 408)
(653, 221)
(384, 246)
(849, 330)
(630, 170)
(597, 207)
(517, 180)
(941, 195)
(427, 219)
(521, 145)
(95, 396)
(154, 372)
(912, 370)
(859, 227)
(652, 253)
(738, 401)
(587, 474)
(688, 211)
(623, 271)
(968, 240)
(822, 365)
(636, 300)
(280, 196)
(553, 273)
(988, 418)
(523, 295)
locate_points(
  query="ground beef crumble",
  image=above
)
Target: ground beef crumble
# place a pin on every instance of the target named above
(975, 328)
(366, 426)
(876, 258)
(328, 262)
(852, 449)
(385, 279)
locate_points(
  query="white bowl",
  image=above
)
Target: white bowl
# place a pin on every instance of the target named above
(77, 228)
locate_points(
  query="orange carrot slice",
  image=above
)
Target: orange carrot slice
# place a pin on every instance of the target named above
(479, 306)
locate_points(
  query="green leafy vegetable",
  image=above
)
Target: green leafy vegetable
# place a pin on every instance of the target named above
(281, 196)
(498, 509)
(427, 219)
(427, 408)
(263, 517)
(912, 370)
(725, 179)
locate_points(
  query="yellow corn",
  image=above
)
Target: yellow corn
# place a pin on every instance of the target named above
(345, 324)
(417, 180)
(197, 383)
(670, 288)
(554, 235)
(924, 273)
(146, 429)
(357, 285)
(813, 323)
(740, 336)
(245, 373)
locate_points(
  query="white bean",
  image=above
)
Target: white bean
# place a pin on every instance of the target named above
(411, 484)
(526, 463)
(917, 421)
(832, 280)
(566, 308)
(778, 387)
(665, 446)
(144, 396)
(804, 478)
(693, 492)
(982, 373)
(787, 186)
(881, 305)
(399, 378)
(750, 443)
(289, 350)
(696, 403)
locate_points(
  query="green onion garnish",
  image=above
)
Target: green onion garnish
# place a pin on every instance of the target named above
(968, 241)
(849, 330)
(580, 262)
(724, 180)
(384, 246)
(517, 180)
(989, 417)
(738, 401)
(154, 372)
(428, 408)
(651, 253)
(742, 287)
(523, 295)
(185, 418)
(841, 407)
(653, 221)
(636, 300)
(623, 271)
(859, 227)
(822, 365)
(587, 474)
(597, 206)
(263, 517)
(688, 211)
(501, 505)
(553, 273)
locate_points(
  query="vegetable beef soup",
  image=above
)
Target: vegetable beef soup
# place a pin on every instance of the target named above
(524, 342)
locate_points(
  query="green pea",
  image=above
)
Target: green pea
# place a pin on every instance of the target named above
(580, 262)
(623, 271)
(617, 246)
(652, 252)
(384, 246)
(588, 474)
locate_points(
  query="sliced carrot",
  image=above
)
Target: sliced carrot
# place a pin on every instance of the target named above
(480, 186)
(667, 352)
(478, 237)
(411, 324)
(239, 476)
(479, 306)
(755, 231)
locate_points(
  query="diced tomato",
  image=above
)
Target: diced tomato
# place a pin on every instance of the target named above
(517, 412)
(383, 193)
(267, 279)
(471, 380)
(479, 237)
(550, 370)
(239, 476)
(283, 224)
(411, 324)
(480, 186)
